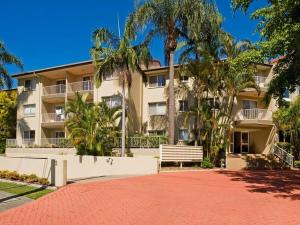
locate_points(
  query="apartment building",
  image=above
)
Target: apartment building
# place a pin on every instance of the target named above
(43, 94)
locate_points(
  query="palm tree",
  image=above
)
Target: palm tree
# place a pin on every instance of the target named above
(171, 20)
(92, 127)
(5, 59)
(113, 54)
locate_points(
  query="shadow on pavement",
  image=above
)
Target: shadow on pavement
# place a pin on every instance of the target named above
(284, 184)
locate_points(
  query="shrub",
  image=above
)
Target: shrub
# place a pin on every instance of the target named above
(207, 164)
(297, 163)
(13, 175)
(32, 178)
(43, 181)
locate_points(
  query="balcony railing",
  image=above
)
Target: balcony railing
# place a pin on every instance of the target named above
(81, 86)
(11, 143)
(52, 117)
(28, 141)
(254, 114)
(56, 142)
(141, 142)
(54, 89)
(260, 81)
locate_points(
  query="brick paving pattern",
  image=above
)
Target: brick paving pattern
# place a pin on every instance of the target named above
(183, 198)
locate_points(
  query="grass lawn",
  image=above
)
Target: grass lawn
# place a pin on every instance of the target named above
(23, 190)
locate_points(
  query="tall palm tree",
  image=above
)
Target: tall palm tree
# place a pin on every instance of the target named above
(113, 54)
(5, 59)
(171, 20)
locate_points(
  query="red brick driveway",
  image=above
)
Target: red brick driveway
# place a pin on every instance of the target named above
(209, 197)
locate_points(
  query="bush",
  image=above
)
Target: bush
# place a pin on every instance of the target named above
(32, 178)
(207, 164)
(297, 163)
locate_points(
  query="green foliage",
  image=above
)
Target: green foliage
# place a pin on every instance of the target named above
(92, 127)
(287, 119)
(8, 120)
(32, 178)
(207, 164)
(279, 27)
(181, 24)
(297, 163)
(6, 59)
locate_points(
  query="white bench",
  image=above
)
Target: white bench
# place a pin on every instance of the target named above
(180, 153)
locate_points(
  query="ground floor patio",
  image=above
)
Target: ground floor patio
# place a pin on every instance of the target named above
(189, 198)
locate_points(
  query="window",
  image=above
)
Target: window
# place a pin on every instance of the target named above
(29, 85)
(184, 78)
(87, 84)
(248, 104)
(183, 106)
(29, 135)
(156, 132)
(184, 134)
(61, 86)
(29, 110)
(113, 101)
(59, 113)
(157, 108)
(59, 134)
(157, 81)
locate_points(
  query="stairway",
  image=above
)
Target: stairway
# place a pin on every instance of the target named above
(283, 156)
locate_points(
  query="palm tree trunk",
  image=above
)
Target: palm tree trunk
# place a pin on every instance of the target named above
(123, 119)
(171, 100)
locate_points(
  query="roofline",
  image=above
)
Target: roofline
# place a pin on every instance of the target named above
(159, 68)
(53, 68)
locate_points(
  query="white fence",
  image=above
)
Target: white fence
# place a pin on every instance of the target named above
(254, 114)
(181, 153)
(52, 117)
(54, 89)
(81, 86)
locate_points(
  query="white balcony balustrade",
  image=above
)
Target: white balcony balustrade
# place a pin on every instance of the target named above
(52, 117)
(55, 142)
(28, 141)
(10, 143)
(54, 89)
(254, 114)
(80, 86)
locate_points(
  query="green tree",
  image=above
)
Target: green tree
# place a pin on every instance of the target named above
(92, 127)
(113, 54)
(279, 27)
(8, 112)
(171, 20)
(6, 59)
(216, 83)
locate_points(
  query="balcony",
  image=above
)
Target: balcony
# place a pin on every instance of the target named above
(11, 143)
(254, 116)
(54, 93)
(81, 87)
(28, 141)
(56, 143)
(52, 120)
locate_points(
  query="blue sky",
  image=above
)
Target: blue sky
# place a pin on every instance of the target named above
(46, 33)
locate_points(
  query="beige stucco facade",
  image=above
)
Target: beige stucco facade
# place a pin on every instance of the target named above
(41, 101)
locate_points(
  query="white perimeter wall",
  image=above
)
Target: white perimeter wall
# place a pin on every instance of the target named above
(81, 166)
